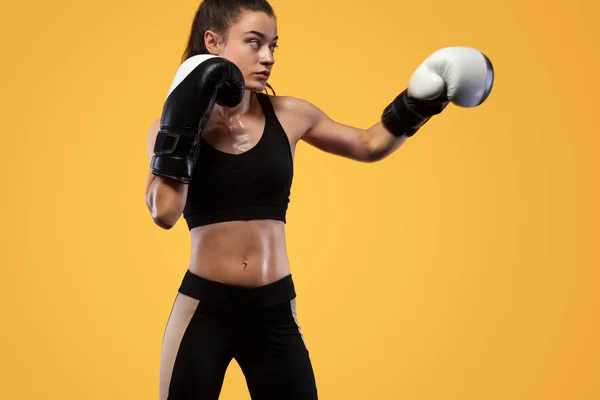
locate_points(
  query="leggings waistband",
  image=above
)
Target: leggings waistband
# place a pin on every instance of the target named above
(227, 296)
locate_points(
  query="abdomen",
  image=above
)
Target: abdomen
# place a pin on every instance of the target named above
(240, 253)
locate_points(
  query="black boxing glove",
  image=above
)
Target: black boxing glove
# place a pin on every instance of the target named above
(460, 75)
(406, 115)
(200, 82)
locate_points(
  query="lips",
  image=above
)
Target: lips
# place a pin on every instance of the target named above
(263, 75)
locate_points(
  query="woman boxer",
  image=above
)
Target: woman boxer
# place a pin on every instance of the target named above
(222, 156)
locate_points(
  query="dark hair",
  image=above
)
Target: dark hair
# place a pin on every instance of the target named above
(218, 15)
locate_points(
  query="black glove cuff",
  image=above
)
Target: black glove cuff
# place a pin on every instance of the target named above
(175, 155)
(174, 143)
(405, 116)
(176, 168)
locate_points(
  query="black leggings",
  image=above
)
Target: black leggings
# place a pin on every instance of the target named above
(212, 323)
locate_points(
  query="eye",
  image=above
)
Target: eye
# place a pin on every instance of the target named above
(273, 47)
(255, 43)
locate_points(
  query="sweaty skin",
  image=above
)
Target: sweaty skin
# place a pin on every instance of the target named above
(243, 253)
(254, 253)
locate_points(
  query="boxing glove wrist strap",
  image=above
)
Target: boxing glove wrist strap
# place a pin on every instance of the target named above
(405, 116)
(175, 155)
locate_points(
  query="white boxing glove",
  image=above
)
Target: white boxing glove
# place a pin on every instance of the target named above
(461, 75)
(464, 76)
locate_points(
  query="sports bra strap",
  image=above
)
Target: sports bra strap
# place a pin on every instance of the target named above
(265, 103)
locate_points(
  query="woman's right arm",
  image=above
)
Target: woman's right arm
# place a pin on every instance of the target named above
(165, 198)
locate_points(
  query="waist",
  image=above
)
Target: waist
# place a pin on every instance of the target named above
(235, 297)
(243, 253)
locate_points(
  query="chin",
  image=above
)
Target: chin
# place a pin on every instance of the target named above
(256, 85)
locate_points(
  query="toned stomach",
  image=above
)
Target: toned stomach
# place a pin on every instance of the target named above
(240, 253)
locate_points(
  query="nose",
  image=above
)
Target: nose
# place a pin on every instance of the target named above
(266, 56)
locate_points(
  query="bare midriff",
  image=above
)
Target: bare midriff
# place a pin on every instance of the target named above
(240, 253)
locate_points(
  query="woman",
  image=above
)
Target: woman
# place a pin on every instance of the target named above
(231, 177)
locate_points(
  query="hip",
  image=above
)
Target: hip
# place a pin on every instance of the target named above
(234, 298)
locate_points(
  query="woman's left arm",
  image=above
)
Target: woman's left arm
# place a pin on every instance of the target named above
(462, 74)
(322, 132)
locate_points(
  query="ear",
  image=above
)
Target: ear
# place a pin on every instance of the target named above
(213, 42)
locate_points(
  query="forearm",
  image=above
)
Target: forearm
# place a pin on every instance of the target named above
(165, 199)
(382, 143)
(400, 120)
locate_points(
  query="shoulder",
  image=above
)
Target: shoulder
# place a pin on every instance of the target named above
(298, 109)
(292, 104)
(296, 115)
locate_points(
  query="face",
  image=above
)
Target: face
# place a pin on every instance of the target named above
(250, 44)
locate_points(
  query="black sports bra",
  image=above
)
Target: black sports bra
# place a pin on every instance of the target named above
(252, 185)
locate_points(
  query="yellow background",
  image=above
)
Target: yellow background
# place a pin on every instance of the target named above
(464, 266)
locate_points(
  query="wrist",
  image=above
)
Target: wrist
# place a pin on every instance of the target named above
(405, 115)
(175, 155)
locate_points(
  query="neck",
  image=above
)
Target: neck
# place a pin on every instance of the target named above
(240, 109)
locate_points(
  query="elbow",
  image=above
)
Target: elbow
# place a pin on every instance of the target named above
(164, 221)
(378, 148)
(164, 224)
(162, 217)
(374, 156)
(373, 153)
(165, 199)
